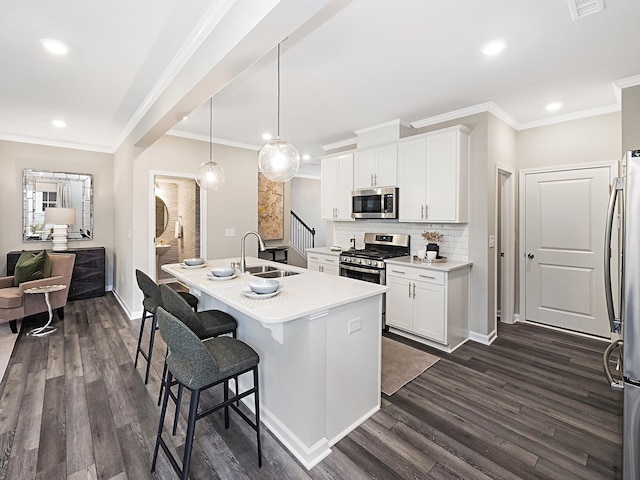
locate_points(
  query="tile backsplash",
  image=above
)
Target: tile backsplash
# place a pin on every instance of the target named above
(454, 246)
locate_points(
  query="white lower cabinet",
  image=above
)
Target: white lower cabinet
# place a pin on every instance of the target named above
(429, 305)
(324, 263)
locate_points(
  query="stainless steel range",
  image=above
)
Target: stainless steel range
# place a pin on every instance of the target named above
(368, 264)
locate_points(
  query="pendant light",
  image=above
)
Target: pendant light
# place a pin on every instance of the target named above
(210, 175)
(278, 159)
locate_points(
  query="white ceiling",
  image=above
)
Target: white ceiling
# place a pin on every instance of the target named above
(355, 65)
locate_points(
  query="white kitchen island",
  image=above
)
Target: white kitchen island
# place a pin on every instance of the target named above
(319, 342)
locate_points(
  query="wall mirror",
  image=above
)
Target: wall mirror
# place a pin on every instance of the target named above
(162, 217)
(42, 189)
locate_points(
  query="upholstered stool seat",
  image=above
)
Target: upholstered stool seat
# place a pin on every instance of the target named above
(199, 366)
(150, 303)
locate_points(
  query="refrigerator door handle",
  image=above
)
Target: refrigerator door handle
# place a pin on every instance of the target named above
(614, 323)
(613, 357)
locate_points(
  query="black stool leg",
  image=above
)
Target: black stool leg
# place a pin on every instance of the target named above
(163, 379)
(154, 325)
(256, 398)
(191, 428)
(178, 402)
(144, 317)
(163, 412)
(226, 397)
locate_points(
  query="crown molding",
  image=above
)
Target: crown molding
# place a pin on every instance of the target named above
(628, 82)
(341, 144)
(56, 143)
(490, 107)
(204, 28)
(570, 116)
(391, 123)
(218, 141)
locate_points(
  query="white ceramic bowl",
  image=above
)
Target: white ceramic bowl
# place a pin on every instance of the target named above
(222, 271)
(264, 285)
(192, 262)
(421, 253)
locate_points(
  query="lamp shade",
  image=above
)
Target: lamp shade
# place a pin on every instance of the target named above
(210, 176)
(59, 216)
(279, 160)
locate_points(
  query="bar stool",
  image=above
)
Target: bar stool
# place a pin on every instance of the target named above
(199, 366)
(152, 300)
(206, 324)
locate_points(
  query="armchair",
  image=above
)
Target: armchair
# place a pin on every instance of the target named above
(15, 304)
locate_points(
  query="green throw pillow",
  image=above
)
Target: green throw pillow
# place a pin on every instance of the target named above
(31, 267)
(48, 264)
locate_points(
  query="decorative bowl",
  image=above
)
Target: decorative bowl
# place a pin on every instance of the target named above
(264, 285)
(222, 271)
(192, 262)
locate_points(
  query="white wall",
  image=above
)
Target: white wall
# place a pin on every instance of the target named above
(588, 140)
(15, 156)
(631, 118)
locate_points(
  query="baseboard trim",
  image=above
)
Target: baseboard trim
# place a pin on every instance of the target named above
(482, 338)
(124, 307)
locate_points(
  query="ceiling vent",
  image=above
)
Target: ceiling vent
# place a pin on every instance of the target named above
(581, 8)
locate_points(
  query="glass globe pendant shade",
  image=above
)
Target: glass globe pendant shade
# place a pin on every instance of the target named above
(278, 160)
(210, 175)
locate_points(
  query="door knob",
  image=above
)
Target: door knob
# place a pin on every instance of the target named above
(530, 256)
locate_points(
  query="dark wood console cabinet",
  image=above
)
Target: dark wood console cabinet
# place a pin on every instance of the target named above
(88, 278)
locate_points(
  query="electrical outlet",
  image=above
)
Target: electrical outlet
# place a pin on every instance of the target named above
(229, 232)
(354, 325)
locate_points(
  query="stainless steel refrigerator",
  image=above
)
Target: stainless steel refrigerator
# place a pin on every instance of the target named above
(622, 357)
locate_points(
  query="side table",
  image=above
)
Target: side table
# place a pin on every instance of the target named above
(46, 289)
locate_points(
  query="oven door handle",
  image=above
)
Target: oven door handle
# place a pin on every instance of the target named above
(359, 269)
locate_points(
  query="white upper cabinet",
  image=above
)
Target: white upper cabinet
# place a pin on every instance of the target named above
(376, 167)
(432, 176)
(337, 184)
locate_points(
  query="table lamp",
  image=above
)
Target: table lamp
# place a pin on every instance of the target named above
(60, 218)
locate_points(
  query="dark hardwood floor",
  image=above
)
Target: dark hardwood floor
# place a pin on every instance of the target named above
(534, 405)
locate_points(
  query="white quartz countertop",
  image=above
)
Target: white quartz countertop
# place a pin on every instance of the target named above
(448, 266)
(304, 294)
(324, 251)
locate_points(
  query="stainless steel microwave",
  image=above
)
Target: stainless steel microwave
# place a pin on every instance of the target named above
(375, 203)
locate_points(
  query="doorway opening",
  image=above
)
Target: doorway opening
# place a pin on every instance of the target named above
(177, 222)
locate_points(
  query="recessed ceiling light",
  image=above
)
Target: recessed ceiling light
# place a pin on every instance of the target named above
(553, 106)
(185, 117)
(306, 157)
(54, 46)
(58, 123)
(494, 47)
(266, 136)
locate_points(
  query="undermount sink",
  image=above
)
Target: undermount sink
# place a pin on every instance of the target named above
(267, 271)
(260, 269)
(160, 249)
(275, 273)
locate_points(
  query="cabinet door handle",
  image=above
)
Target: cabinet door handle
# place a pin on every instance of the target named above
(409, 289)
(321, 268)
(414, 290)
(398, 271)
(375, 179)
(330, 260)
(426, 211)
(422, 212)
(427, 276)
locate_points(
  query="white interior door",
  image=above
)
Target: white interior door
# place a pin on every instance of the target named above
(564, 220)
